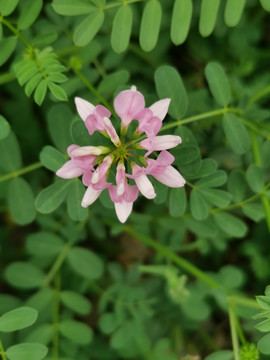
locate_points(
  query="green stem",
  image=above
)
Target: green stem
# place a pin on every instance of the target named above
(115, 4)
(57, 264)
(190, 268)
(2, 352)
(20, 172)
(6, 78)
(259, 95)
(201, 117)
(251, 303)
(258, 161)
(93, 90)
(235, 342)
(242, 203)
(16, 32)
(253, 127)
(55, 346)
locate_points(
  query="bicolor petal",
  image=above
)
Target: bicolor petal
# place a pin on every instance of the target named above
(89, 150)
(90, 196)
(158, 143)
(84, 108)
(170, 177)
(69, 170)
(160, 108)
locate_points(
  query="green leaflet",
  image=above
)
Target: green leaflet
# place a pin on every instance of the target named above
(220, 355)
(181, 19)
(219, 198)
(233, 12)
(52, 158)
(7, 46)
(150, 25)
(18, 319)
(4, 128)
(21, 201)
(44, 243)
(208, 16)
(7, 7)
(76, 302)
(59, 121)
(198, 206)
(230, 224)
(170, 85)
(218, 83)
(26, 351)
(52, 197)
(177, 202)
(72, 8)
(40, 92)
(57, 91)
(29, 12)
(121, 30)
(237, 185)
(10, 159)
(76, 331)
(236, 134)
(255, 178)
(111, 82)
(24, 275)
(88, 28)
(265, 4)
(85, 263)
(264, 344)
(74, 199)
(216, 179)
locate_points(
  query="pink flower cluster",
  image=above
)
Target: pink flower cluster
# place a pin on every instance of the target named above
(95, 162)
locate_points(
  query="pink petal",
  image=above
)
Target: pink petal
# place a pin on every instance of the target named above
(128, 104)
(148, 123)
(113, 194)
(165, 158)
(131, 192)
(84, 108)
(90, 196)
(160, 108)
(123, 210)
(71, 148)
(171, 177)
(69, 170)
(94, 122)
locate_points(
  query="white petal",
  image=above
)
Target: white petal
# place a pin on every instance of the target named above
(160, 108)
(90, 196)
(84, 108)
(123, 210)
(171, 177)
(145, 186)
(88, 150)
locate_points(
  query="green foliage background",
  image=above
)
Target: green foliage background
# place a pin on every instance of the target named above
(179, 280)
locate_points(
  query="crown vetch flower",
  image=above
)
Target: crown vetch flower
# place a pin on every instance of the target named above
(127, 151)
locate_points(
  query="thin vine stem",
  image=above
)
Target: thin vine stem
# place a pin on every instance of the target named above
(57, 264)
(21, 171)
(2, 352)
(56, 308)
(93, 90)
(258, 161)
(233, 327)
(16, 32)
(162, 250)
